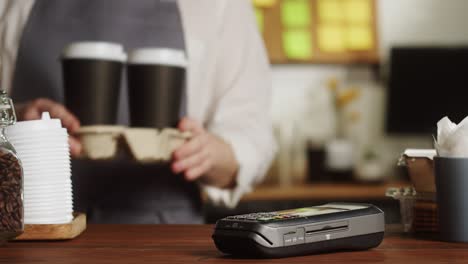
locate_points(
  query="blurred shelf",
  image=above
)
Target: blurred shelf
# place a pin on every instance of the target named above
(323, 191)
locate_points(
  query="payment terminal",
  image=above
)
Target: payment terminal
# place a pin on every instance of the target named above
(328, 227)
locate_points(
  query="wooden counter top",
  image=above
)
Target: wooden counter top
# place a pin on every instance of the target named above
(189, 244)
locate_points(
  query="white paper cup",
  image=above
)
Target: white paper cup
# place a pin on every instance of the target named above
(39, 210)
(31, 142)
(35, 171)
(46, 154)
(46, 161)
(50, 220)
(49, 214)
(37, 134)
(54, 168)
(56, 157)
(57, 162)
(44, 124)
(51, 183)
(44, 190)
(39, 185)
(62, 132)
(48, 167)
(38, 182)
(46, 176)
(42, 146)
(47, 204)
(61, 194)
(38, 188)
(58, 193)
(45, 213)
(39, 192)
(34, 181)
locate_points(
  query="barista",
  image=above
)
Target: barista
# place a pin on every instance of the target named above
(227, 98)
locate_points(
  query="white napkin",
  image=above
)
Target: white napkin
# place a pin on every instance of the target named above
(452, 139)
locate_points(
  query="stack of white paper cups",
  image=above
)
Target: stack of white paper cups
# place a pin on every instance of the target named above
(42, 146)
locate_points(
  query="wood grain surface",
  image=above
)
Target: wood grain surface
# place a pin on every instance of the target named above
(189, 244)
(55, 232)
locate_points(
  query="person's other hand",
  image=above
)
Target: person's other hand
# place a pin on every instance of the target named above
(205, 156)
(33, 110)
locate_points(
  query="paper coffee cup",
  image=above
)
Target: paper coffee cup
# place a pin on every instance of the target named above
(156, 83)
(42, 146)
(92, 73)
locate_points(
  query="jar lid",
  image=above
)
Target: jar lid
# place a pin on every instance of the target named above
(7, 110)
(45, 123)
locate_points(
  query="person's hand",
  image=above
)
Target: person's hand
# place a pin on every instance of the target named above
(33, 110)
(205, 157)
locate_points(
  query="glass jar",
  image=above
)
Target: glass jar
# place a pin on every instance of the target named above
(11, 177)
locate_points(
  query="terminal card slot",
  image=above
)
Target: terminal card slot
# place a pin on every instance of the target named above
(328, 227)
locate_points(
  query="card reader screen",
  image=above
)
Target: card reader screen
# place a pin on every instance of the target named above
(311, 211)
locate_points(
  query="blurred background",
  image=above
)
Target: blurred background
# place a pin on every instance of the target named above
(355, 82)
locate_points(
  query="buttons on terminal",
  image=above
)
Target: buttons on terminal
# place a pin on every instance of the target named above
(294, 238)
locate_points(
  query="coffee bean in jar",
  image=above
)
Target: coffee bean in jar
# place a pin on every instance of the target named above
(11, 177)
(11, 200)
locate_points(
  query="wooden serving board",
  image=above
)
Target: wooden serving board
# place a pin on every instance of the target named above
(55, 232)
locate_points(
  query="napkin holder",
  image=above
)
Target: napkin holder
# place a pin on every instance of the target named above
(420, 166)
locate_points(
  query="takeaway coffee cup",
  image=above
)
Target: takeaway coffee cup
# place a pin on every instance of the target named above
(92, 73)
(156, 80)
(451, 176)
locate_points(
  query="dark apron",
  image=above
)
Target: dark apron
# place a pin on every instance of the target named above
(110, 192)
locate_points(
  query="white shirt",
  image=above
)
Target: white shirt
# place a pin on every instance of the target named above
(228, 85)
